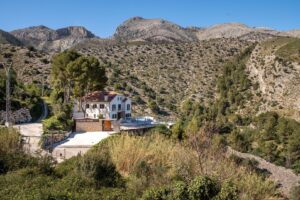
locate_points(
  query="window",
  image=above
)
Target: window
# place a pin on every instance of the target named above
(94, 115)
(94, 105)
(119, 107)
(113, 107)
(128, 115)
(114, 116)
(87, 105)
(128, 106)
(101, 106)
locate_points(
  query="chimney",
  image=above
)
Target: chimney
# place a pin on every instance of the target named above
(105, 98)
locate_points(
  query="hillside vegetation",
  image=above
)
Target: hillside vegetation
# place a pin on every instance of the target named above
(164, 74)
(156, 168)
(30, 65)
(274, 69)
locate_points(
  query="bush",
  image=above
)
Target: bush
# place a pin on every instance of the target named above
(228, 192)
(202, 188)
(153, 106)
(295, 193)
(12, 156)
(97, 165)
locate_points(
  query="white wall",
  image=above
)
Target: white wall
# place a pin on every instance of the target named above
(94, 113)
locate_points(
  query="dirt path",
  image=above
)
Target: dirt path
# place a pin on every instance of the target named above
(283, 176)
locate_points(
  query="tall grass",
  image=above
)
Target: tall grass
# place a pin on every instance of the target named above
(157, 161)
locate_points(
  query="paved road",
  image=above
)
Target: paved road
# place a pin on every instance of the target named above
(285, 177)
(31, 133)
(77, 143)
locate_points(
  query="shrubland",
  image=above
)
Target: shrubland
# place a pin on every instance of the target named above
(153, 166)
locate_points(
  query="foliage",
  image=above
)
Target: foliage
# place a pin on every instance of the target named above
(27, 96)
(295, 193)
(27, 177)
(153, 106)
(74, 74)
(276, 139)
(199, 188)
(202, 188)
(129, 167)
(61, 118)
(12, 156)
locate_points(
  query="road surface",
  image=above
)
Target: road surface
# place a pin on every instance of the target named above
(77, 143)
(31, 133)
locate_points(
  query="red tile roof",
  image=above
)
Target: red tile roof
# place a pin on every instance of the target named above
(100, 96)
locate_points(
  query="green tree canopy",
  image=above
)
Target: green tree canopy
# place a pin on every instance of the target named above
(75, 74)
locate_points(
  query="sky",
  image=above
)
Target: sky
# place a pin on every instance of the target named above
(103, 16)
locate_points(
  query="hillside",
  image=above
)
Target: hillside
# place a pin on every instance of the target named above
(7, 38)
(274, 67)
(31, 66)
(166, 73)
(44, 38)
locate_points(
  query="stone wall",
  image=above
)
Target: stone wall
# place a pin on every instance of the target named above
(88, 125)
(19, 116)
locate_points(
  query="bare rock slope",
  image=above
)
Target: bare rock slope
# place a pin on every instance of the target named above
(274, 67)
(141, 29)
(44, 38)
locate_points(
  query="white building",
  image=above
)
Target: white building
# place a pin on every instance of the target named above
(103, 105)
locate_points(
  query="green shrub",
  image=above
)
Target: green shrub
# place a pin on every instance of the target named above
(228, 192)
(202, 188)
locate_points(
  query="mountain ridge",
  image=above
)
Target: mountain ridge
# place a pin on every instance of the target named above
(141, 29)
(45, 38)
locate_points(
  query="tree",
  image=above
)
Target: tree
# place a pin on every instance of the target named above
(76, 74)
(60, 77)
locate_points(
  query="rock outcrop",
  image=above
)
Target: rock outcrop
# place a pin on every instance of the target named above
(19, 116)
(44, 38)
(140, 29)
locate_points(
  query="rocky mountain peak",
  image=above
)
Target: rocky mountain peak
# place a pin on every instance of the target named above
(75, 31)
(138, 28)
(42, 37)
(37, 33)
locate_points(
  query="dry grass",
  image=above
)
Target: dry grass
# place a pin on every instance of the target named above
(155, 161)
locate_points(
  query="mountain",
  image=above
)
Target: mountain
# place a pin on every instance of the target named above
(294, 33)
(141, 29)
(44, 38)
(235, 30)
(7, 38)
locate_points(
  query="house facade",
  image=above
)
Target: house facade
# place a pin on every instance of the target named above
(106, 105)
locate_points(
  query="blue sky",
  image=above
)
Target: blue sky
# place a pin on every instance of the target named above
(103, 16)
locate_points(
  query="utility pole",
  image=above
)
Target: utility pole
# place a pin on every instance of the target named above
(7, 70)
(43, 85)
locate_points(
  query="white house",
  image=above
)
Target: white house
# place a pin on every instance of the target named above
(103, 105)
